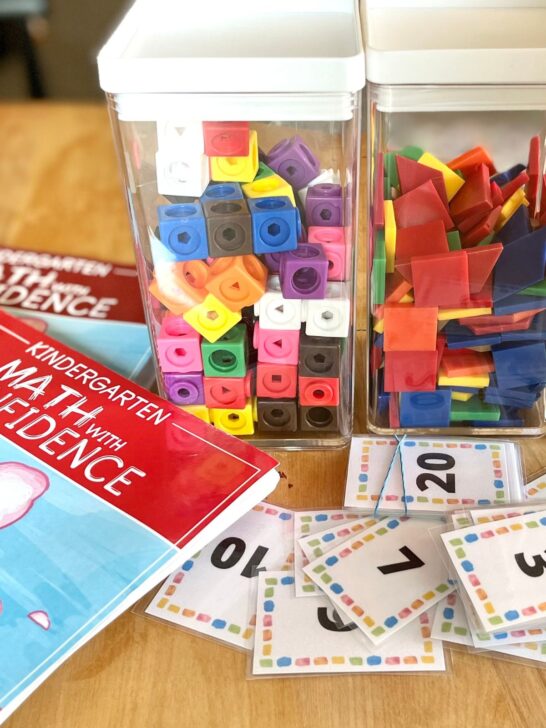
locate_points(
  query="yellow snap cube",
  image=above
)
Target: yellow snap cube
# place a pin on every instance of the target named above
(197, 410)
(234, 421)
(237, 169)
(272, 186)
(452, 180)
(390, 235)
(211, 318)
(255, 409)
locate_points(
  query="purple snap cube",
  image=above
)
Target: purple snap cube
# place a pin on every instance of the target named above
(324, 205)
(185, 388)
(294, 161)
(304, 272)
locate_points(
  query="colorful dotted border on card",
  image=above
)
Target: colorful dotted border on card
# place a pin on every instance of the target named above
(537, 489)
(500, 495)
(285, 661)
(321, 543)
(448, 625)
(458, 543)
(217, 623)
(503, 516)
(391, 622)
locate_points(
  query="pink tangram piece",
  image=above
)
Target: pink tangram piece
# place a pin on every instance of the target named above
(20, 486)
(40, 618)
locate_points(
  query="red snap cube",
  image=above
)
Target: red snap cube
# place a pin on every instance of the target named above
(226, 138)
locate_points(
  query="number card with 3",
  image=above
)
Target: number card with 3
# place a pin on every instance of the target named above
(306, 636)
(214, 592)
(436, 475)
(384, 578)
(502, 568)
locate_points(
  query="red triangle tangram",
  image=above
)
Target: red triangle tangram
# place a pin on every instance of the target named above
(413, 174)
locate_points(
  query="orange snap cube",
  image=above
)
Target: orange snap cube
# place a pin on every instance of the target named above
(237, 281)
(409, 327)
(180, 286)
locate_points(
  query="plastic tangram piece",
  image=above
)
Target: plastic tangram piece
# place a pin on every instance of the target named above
(511, 318)
(484, 297)
(474, 197)
(470, 380)
(390, 235)
(474, 409)
(501, 178)
(452, 180)
(481, 262)
(467, 223)
(397, 288)
(533, 170)
(535, 332)
(517, 227)
(468, 161)
(510, 207)
(458, 396)
(517, 303)
(441, 280)
(410, 371)
(378, 216)
(427, 239)
(421, 205)
(412, 174)
(501, 328)
(482, 229)
(409, 328)
(510, 187)
(518, 365)
(454, 240)
(425, 409)
(447, 314)
(465, 362)
(379, 269)
(394, 412)
(520, 265)
(496, 194)
(537, 289)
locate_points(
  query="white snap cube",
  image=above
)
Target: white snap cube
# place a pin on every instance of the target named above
(185, 138)
(334, 289)
(180, 173)
(328, 317)
(273, 285)
(280, 313)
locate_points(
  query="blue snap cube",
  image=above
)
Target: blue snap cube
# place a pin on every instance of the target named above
(425, 409)
(222, 191)
(182, 230)
(274, 224)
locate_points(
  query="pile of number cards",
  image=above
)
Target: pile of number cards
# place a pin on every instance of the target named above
(367, 588)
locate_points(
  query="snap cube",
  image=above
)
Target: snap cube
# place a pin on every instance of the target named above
(229, 228)
(425, 409)
(226, 138)
(315, 391)
(238, 281)
(326, 176)
(270, 186)
(276, 347)
(180, 173)
(277, 415)
(234, 421)
(277, 312)
(227, 392)
(236, 168)
(222, 191)
(178, 346)
(329, 317)
(319, 356)
(324, 205)
(294, 161)
(276, 381)
(274, 224)
(180, 286)
(211, 318)
(273, 262)
(182, 231)
(263, 171)
(304, 272)
(334, 247)
(185, 388)
(228, 356)
(319, 418)
(197, 410)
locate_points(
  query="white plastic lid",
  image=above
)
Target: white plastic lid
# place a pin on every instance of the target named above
(455, 41)
(235, 46)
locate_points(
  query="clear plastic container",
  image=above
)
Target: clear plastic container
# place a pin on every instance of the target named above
(242, 180)
(457, 223)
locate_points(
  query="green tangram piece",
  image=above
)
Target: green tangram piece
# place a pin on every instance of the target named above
(474, 409)
(412, 152)
(538, 289)
(454, 240)
(391, 171)
(487, 240)
(379, 269)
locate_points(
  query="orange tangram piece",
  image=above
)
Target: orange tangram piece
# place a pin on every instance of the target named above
(471, 159)
(465, 362)
(410, 328)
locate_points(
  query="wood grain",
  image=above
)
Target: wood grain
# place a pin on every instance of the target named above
(61, 191)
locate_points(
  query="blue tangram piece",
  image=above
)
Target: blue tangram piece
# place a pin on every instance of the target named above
(518, 226)
(517, 365)
(521, 264)
(461, 337)
(535, 332)
(425, 409)
(378, 341)
(501, 178)
(518, 303)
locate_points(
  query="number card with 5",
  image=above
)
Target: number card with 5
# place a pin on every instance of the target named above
(436, 475)
(214, 592)
(502, 568)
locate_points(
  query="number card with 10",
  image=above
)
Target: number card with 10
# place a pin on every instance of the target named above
(214, 593)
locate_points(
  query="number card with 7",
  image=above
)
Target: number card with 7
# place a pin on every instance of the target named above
(502, 568)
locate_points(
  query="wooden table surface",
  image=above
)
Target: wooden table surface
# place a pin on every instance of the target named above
(61, 191)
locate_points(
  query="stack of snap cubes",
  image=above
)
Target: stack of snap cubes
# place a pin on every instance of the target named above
(250, 271)
(458, 289)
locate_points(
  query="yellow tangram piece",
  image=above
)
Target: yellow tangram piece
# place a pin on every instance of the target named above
(272, 186)
(379, 327)
(406, 298)
(511, 206)
(234, 421)
(197, 410)
(211, 318)
(390, 235)
(446, 314)
(452, 180)
(476, 381)
(461, 396)
(237, 169)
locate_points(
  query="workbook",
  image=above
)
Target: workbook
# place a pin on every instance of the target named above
(105, 489)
